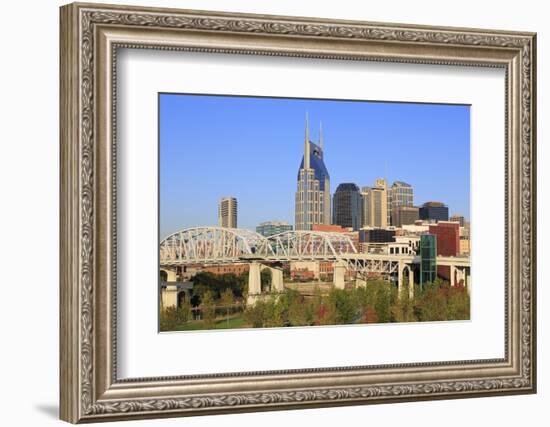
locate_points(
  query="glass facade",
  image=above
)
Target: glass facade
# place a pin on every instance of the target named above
(399, 194)
(346, 206)
(312, 200)
(428, 262)
(434, 211)
(271, 228)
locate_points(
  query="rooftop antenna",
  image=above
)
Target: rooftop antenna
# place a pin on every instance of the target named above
(306, 146)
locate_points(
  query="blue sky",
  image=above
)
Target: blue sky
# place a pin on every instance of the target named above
(251, 148)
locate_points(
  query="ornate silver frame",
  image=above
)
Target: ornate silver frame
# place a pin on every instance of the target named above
(90, 36)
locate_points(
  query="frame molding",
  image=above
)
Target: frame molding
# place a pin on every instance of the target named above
(90, 36)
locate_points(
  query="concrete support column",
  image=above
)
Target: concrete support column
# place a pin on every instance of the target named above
(467, 280)
(169, 297)
(452, 270)
(170, 275)
(400, 268)
(339, 274)
(277, 284)
(360, 282)
(411, 283)
(254, 282)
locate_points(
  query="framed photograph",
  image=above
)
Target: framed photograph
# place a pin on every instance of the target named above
(266, 212)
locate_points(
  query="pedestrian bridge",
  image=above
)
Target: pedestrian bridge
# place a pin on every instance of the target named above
(219, 245)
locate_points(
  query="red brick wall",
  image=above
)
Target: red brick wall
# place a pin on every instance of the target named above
(448, 239)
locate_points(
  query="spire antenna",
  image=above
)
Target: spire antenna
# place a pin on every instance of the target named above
(306, 145)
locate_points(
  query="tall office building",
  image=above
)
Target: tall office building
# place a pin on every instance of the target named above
(383, 184)
(312, 200)
(227, 212)
(404, 215)
(434, 211)
(402, 194)
(375, 205)
(269, 228)
(346, 206)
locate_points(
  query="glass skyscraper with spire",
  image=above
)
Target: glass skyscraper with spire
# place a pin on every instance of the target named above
(312, 201)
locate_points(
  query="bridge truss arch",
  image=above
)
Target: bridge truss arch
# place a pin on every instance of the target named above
(309, 245)
(210, 245)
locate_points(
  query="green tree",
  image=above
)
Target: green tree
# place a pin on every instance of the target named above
(227, 300)
(432, 304)
(208, 309)
(346, 305)
(254, 314)
(298, 313)
(273, 313)
(381, 299)
(403, 308)
(168, 319)
(183, 313)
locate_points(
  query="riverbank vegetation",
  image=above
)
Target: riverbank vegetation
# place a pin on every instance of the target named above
(219, 302)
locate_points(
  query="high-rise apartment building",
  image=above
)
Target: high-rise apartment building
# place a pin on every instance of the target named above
(270, 228)
(375, 205)
(312, 200)
(227, 212)
(346, 206)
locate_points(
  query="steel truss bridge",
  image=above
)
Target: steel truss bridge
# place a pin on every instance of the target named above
(218, 245)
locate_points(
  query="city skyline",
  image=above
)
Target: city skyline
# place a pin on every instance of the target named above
(241, 148)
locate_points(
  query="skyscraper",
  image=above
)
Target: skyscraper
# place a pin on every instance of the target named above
(434, 211)
(402, 194)
(383, 184)
(227, 212)
(346, 206)
(312, 200)
(403, 215)
(375, 205)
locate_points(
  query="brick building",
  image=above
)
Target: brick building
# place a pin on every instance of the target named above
(448, 243)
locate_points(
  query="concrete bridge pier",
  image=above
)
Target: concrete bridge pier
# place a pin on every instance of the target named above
(254, 282)
(277, 284)
(169, 294)
(400, 270)
(169, 297)
(339, 275)
(170, 274)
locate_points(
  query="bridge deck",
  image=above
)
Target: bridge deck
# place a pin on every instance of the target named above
(407, 259)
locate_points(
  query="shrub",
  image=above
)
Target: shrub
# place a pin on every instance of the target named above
(168, 319)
